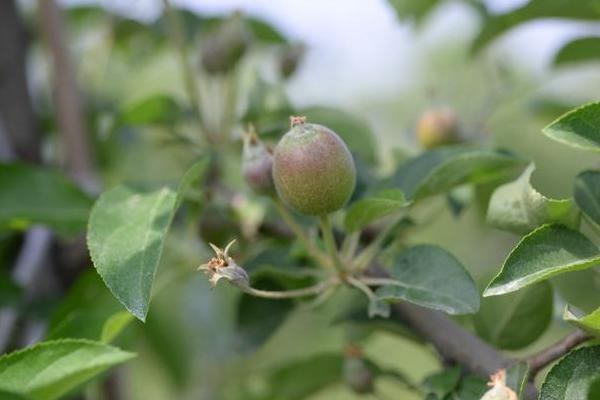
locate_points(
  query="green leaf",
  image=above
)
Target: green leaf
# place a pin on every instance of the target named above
(578, 128)
(587, 194)
(547, 251)
(263, 32)
(437, 171)
(413, 9)
(372, 208)
(5, 395)
(51, 369)
(516, 320)
(594, 391)
(314, 373)
(589, 323)
(518, 207)
(10, 293)
(443, 382)
(572, 376)
(578, 50)
(126, 235)
(355, 132)
(115, 325)
(258, 318)
(517, 378)
(83, 312)
(495, 25)
(33, 195)
(470, 388)
(158, 109)
(431, 277)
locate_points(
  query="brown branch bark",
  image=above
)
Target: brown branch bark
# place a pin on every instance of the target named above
(547, 356)
(16, 111)
(76, 152)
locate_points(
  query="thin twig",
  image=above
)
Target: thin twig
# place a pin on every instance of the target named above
(313, 250)
(547, 356)
(288, 294)
(327, 231)
(362, 287)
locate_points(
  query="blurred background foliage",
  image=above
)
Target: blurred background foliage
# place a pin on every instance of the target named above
(217, 344)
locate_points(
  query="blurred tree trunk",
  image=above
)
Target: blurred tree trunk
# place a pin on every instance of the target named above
(16, 111)
(68, 104)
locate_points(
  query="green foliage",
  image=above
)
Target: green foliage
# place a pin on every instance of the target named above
(518, 207)
(413, 9)
(579, 50)
(367, 210)
(572, 377)
(126, 235)
(516, 320)
(443, 383)
(10, 293)
(495, 25)
(594, 391)
(587, 194)
(158, 109)
(517, 378)
(431, 277)
(33, 195)
(315, 373)
(85, 311)
(258, 318)
(51, 369)
(437, 171)
(578, 128)
(547, 251)
(126, 238)
(589, 323)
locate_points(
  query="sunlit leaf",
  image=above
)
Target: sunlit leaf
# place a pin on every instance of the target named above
(572, 377)
(518, 207)
(547, 251)
(51, 369)
(126, 235)
(589, 323)
(578, 128)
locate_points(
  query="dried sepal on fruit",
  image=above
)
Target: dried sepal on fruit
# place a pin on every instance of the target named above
(222, 266)
(499, 390)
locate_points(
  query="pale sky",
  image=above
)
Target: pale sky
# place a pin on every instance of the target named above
(359, 46)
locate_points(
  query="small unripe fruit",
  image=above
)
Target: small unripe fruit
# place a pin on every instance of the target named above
(226, 45)
(313, 170)
(437, 128)
(257, 165)
(357, 374)
(290, 59)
